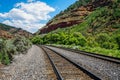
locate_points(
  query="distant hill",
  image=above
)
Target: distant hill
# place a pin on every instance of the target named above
(7, 31)
(74, 14)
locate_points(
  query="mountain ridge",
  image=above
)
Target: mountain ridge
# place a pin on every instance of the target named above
(7, 31)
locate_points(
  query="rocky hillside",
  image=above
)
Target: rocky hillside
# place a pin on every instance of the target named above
(10, 32)
(74, 14)
(89, 25)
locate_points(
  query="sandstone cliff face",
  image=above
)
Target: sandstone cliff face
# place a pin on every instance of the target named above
(65, 20)
(72, 17)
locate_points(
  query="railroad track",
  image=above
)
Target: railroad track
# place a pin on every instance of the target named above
(66, 69)
(96, 66)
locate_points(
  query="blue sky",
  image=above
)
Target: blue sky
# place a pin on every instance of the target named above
(30, 14)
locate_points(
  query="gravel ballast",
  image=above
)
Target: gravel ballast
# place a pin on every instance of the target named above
(30, 66)
(104, 69)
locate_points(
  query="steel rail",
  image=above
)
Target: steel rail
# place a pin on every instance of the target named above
(59, 77)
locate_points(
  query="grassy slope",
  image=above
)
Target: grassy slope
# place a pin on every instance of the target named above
(102, 20)
(99, 33)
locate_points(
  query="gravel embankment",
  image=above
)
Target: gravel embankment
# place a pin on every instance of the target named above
(30, 66)
(104, 69)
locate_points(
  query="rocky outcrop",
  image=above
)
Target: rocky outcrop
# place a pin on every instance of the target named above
(72, 17)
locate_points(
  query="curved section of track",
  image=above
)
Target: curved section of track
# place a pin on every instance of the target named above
(66, 69)
(105, 68)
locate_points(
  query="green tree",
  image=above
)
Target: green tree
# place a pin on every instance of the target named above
(37, 40)
(105, 41)
(117, 39)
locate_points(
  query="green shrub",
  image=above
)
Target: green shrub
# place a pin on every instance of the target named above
(116, 26)
(117, 39)
(116, 14)
(102, 37)
(109, 45)
(12, 46)
(91, 42)
(1, 44)
(37, 40)
(21, 44)
(105, 41)
(6, 60)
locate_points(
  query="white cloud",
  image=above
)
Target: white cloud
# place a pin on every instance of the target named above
(27, 15)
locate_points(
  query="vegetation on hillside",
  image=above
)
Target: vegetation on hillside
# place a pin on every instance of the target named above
(77, 4)
(99, 33)
(10, 47)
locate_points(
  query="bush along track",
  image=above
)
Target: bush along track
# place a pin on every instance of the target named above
(10, 47)
(101, 43)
